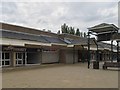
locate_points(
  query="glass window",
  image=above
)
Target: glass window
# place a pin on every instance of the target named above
(7, 62)
(16, 55)
(7, 56)
(2, 62)
(19, 62)
(5, 59)
(19, 55)
(19, 58)
(2, 55)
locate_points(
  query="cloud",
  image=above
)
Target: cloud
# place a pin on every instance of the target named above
(61, 0)
(51, 15)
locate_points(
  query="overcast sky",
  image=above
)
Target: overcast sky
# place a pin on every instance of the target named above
(51, 15)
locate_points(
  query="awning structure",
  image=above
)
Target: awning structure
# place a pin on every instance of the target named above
(105, 32)
(104, 27)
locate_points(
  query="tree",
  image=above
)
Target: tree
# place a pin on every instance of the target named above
(58, 32)
(64, 28)
(72, 31)
(85, 35)
(77, 32)
(49, 31)
(81, 34)
(44, 29)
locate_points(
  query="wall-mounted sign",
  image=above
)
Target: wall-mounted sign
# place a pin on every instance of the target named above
(49, 50)
(11, 48)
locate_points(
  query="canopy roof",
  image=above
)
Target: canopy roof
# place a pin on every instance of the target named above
(104, 27)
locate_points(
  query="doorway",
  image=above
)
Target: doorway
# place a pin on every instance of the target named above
(5, 59)
(20, 58)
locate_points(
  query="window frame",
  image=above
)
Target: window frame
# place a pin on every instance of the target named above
(17, 59)
(3, 59)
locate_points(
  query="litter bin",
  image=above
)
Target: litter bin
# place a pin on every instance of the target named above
(95, 65)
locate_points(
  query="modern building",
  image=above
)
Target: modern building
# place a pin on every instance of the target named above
(21, 46)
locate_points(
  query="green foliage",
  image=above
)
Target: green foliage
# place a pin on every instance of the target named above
(77, 32)
(58, 32)
(70, 30)
(85, 35)
(64, 28)
(49, 31)
(81, 34)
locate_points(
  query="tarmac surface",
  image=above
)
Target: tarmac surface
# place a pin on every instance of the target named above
(60, 76)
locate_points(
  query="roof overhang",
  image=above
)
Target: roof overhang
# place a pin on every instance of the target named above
(70, 45)
(58, 44)
(103, 28)
(17, 42)
(91, 48)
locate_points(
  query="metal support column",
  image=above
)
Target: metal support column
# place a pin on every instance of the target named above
(112, 51)
(118, 52)
(97, 53)
(88, 50)
(96, 63)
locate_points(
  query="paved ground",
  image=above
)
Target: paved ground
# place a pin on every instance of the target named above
(61, 76)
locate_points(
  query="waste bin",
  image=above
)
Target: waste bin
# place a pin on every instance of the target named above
(95, 65)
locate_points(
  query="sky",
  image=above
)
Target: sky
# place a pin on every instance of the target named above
(51, 15)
